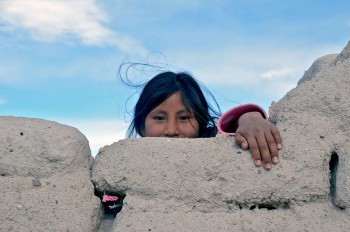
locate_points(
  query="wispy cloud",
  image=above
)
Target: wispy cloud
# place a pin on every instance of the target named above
(3, 101)
(267, 70)
(254, 67)
(244, 61)
(277, 73)
(61, 20)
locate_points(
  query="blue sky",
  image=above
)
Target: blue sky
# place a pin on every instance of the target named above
(59, 58)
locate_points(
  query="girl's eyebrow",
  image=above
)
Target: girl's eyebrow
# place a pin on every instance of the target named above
(184, 111)
(159, 111)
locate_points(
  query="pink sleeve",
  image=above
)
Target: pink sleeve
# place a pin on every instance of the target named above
(228, 122)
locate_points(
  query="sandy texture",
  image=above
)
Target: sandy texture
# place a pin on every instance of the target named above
(45, 177)
(212, 185)
(317, 115)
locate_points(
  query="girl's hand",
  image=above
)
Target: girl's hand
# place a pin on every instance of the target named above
(261, 137)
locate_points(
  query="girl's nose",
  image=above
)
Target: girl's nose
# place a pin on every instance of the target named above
(172, 129)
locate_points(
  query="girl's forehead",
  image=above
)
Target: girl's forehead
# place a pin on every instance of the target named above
(175, 101)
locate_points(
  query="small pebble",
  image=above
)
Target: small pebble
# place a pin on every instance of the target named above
(36, 182)
(239, 152)
(19, 206)
(322, 136)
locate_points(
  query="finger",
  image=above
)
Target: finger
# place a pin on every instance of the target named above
(254, 150)
(241, 141)
(264, 151)
(272, 147)
(277, 136)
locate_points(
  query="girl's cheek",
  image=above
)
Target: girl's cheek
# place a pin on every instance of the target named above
(190, 130)
(157, 132)
(153, 131)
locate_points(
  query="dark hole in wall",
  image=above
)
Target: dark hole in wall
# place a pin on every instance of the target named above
(111, 208)
(282, 205)
(333, 168)
(268, 207)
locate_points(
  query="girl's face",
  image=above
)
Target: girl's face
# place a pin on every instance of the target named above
(170, 119)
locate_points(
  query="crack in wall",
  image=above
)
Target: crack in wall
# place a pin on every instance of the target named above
(333, 168)
(110, 209)
(281, 205)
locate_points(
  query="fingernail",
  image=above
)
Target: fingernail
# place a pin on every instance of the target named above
(258, 162)
(275, 159)
(279, 146)
(268, 166)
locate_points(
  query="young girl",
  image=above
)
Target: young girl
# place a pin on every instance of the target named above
(173, 105)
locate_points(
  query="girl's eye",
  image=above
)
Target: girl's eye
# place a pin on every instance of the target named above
(158, 118)
(185, 117)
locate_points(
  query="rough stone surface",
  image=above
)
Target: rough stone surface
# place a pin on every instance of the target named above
(317, 112)
(45, 177)
(188, 184)
(212, 185)
(317, 66)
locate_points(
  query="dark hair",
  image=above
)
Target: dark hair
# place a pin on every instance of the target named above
(161, 87)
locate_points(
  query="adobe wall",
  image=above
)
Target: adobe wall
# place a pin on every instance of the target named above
(45, 172)
(49, 179)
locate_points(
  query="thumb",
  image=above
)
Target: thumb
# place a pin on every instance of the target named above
(241, 141)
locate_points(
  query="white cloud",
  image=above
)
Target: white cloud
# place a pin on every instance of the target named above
(243, 70)
(277, 73)
(99, 132)
(246, 63)
(245, 66)
(3, 101)
(61, 20)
